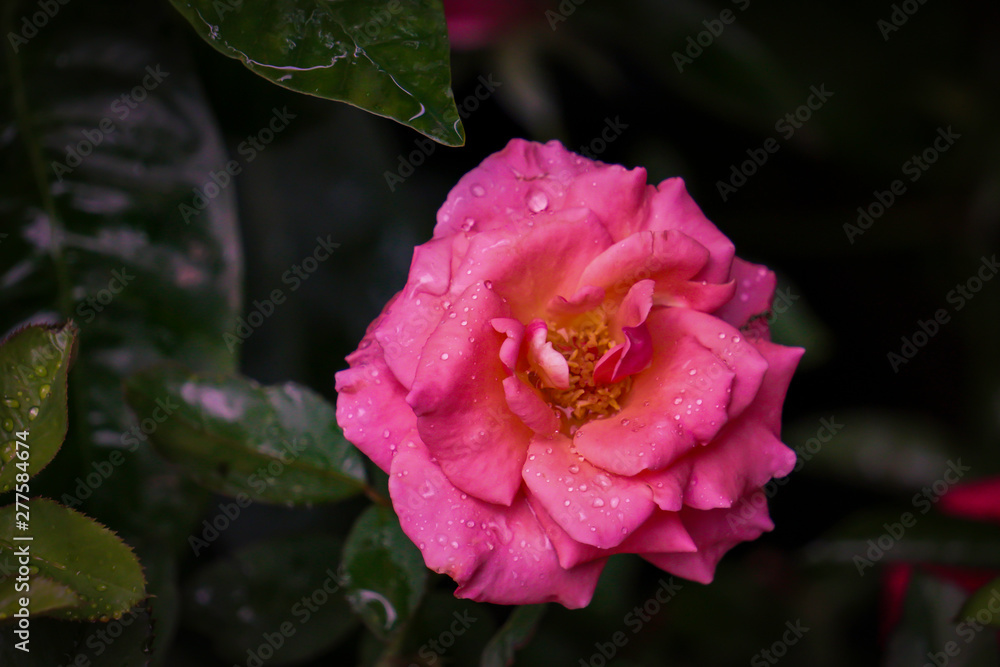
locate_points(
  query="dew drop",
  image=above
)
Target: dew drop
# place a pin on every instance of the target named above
(538, 201)
(478, 190)
(614, 502)
(8, 425)
(33, 412)
(40, 371)
(677, 401)
(598, 502)
(11, 403)
(444, 356)
(574, 468)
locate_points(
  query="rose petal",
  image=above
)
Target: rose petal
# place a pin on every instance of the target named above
(754, 290)
(714, 532)
(459, 400)
(671, 259)
(663, 532)
(591, 505)
(635, 353)
(551, 366)
(745, 454)
(371, 404)
(680, 401)
(496, 554)
(531, 408)
(527, 179)
(671, 207)
(586, 298)
(530, 267)
(510, 349)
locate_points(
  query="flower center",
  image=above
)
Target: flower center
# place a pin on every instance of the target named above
(582, 345)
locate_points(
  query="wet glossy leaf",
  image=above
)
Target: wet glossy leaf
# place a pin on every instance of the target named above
(515, 633)
(77, 552)
(287, 589)
(384, 572)
(391, 59)
(276, 444)
(33, 418)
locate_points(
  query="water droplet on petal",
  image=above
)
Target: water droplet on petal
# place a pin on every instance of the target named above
(538, 201)
(574, 468)
(614, 502)
(478, 190)
(598, 502)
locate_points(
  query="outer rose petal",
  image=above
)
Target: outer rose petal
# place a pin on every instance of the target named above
(661, 418)
(715, 532)
(671, 207)
(371, 404)
(744, 456)
(754, 290)
(495, 554)
(663, 532)
(592, 506)
(525, 179)
(459, 400)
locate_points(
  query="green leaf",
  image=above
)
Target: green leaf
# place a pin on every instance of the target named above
(391, 59)
(35, 363)
(286, 588)
(980, 604)
(384, 572)
(277, 444)
(514, 634)
(46, 594)
(77, 552)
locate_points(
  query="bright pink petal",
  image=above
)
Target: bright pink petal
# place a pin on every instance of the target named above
(670, 258)
(510, 349)
(459, 400)
(496, 554)
(586, 298)
(744, 456)
(635, 354)
(529, 268)
(591, 505)
(663, 532)
(551, 366)
(371, 404)
(728, 344)
(679, 402)
(530, 407)
(714, 532)
(671, 207)
(754, 291)
(527, 179)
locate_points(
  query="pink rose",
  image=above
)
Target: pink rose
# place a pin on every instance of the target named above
(575, 368)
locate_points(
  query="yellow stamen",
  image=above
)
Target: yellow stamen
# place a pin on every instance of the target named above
(583, 344)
